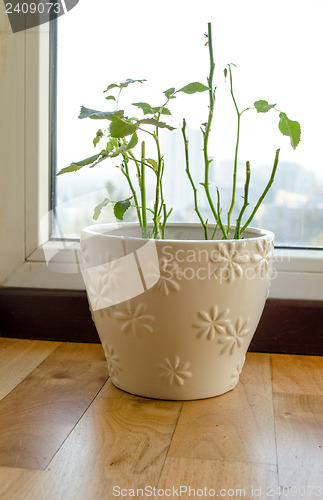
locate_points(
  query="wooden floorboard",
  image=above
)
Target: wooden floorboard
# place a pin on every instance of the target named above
(37, 416)
(18, 359)
(238, 426)
(298, 403)
(66, 432)
(216, 478)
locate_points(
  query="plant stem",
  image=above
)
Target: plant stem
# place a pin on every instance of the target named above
(125, 171)
(245, 204)
(156, 229)
(225, 236)
(206, 133)
(166, 215)
(204, 224)
(234, 181)
(143, 190)
(271, 180)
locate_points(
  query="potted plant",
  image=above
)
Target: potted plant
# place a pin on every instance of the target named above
(175, 305)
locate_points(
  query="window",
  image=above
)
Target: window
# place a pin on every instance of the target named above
(91, 63)
(276, 53)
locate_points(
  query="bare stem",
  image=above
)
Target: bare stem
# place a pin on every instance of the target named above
(207, 130)
(265, 191)
(143, 190)
(234, 181)
(125, 171)
(246, 202)
(204, 224)
(156, 230)
(225, 236)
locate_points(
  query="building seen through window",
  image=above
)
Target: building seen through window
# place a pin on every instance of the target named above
(276, 50)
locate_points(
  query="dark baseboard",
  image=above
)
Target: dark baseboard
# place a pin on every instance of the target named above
(286, 326)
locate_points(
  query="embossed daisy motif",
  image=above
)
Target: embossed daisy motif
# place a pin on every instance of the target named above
(97, 285)
(236, 372)
(234, 336)
(113, 362)
(212, 323)
(174, 372)
(168, 272)
(134, 319)
(101, 282)
(263, 257)
(229, 258)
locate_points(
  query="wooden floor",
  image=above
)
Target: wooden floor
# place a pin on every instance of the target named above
(67, 434)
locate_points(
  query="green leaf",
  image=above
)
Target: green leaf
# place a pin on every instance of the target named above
(290, 128)
(151, 162)
(169, 92)
(193, 87)
(99, 207)
(98, 137)
(128, 81)
(92, 113)
(121, 128)
(120, 208)
(132, 143)
(110, 98)
(153, 121)
(162, 111)
(144, 106)
(111, 86)
(263, 106)
(112, 144)
(73, 167)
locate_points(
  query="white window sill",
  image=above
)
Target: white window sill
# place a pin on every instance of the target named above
(299, 273)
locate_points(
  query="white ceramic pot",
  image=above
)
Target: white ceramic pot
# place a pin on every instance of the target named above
(175, 316)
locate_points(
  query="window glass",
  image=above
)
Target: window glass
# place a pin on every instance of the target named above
(276, 49)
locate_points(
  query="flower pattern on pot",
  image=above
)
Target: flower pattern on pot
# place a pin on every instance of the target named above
(234, 336)
(113, 362)
(263, 257)
(174, 372)
(212, 323)
(229, 258)
(168, 272)
(134, 319)
(236, 372)
(101, 282)
(97, 286)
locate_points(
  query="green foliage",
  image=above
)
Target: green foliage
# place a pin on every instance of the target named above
(149, 110)
(121, 128)
(151, 162)
(156, 123)
(286, 126)
(169, 92)
(98, 115)
(124, 137)
(73, 167)
(98, 137)
(99, 207)
(120, 208)
(122, 85)
(290, 128)
(133, 142)
(125, 84)
(145, 107)
(263, 106)
(194, 87)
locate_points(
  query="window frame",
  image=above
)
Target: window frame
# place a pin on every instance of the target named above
(299, 271)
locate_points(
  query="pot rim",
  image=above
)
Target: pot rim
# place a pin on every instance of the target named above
(98, 230)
